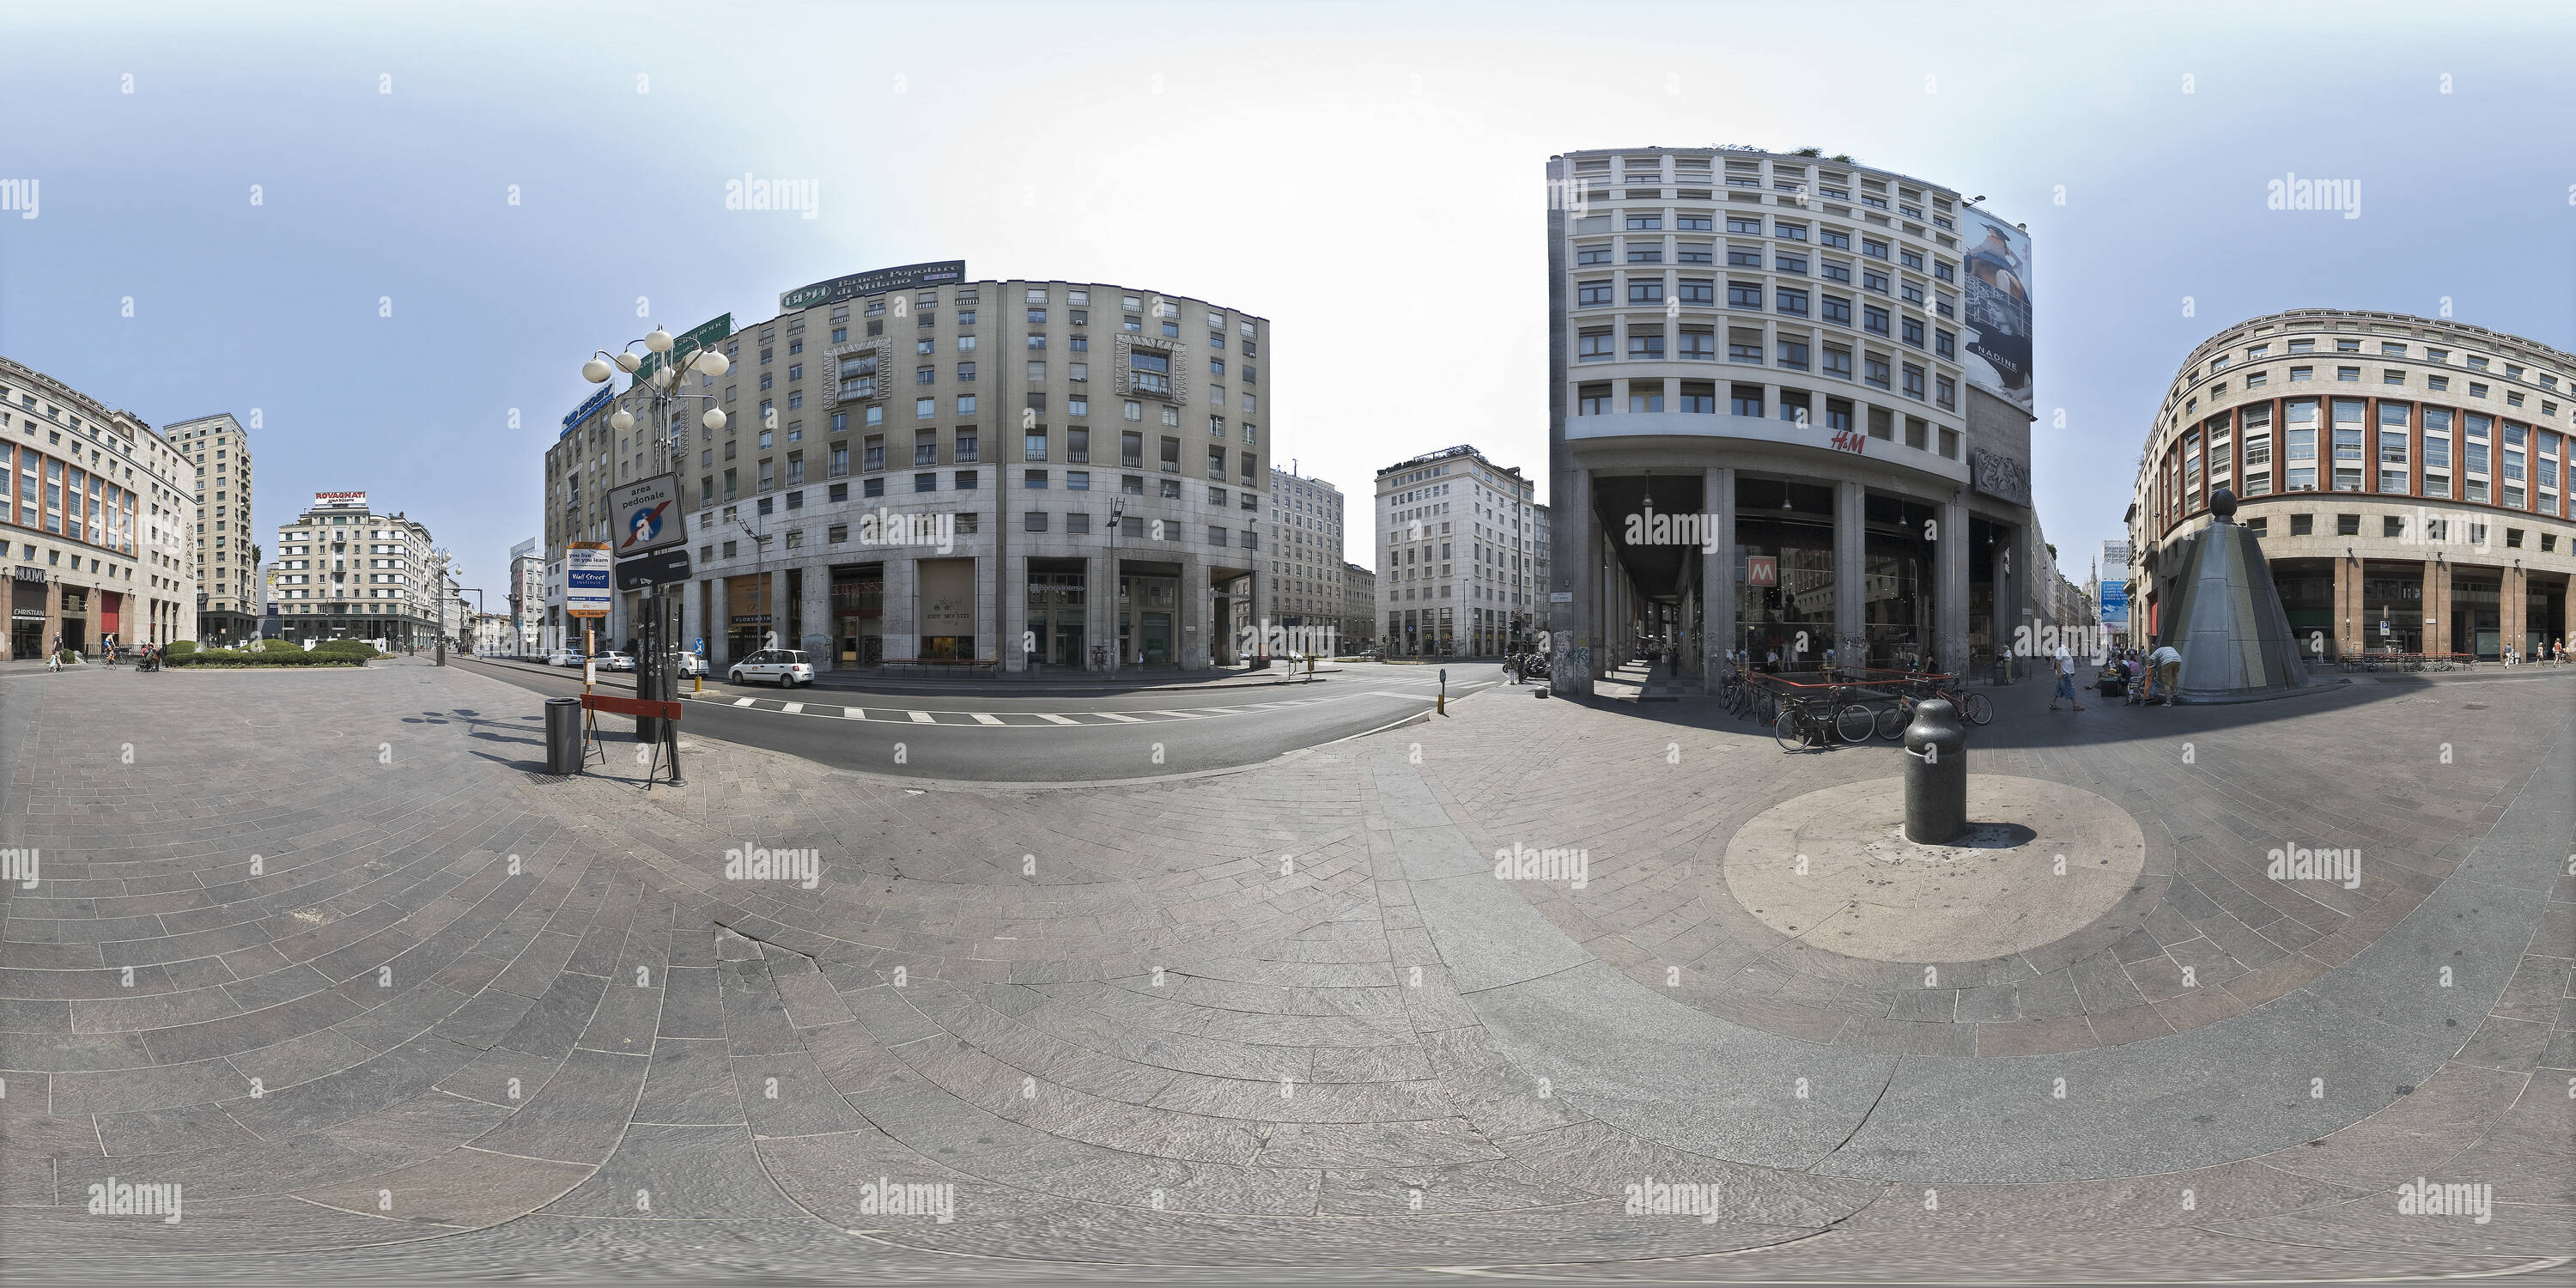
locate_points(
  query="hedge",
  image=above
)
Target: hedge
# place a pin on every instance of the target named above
(182, 648)
(232, 658)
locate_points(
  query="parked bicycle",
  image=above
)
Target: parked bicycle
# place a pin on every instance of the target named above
(1817, 720)
(1975, 708)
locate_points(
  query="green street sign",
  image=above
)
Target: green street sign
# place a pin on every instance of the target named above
(697, 337)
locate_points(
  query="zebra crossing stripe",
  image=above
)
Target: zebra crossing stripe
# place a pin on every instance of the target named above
(981, 718)
(744, 702)
(793, 707)
(1117, 716)
(1176, 715)
(922, 717)
(1055, 719)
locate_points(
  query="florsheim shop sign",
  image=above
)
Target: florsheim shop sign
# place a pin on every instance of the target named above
(687, 342)
(937, 273)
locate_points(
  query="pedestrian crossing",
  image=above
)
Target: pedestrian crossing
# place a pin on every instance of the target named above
(1014, 719)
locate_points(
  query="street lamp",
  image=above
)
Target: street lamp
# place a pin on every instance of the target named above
(660, 396)
(1117, 610)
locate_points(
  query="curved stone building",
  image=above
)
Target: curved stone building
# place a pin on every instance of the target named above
(1789, 412)
(2407, 477)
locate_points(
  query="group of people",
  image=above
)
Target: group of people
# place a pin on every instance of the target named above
(2151, 674)
(2545, 653)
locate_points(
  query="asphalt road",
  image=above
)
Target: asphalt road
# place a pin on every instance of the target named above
(1006, 738)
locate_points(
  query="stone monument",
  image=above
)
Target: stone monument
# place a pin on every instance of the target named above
(2226, 620)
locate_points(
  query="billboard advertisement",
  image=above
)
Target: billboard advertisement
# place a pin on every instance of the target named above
(943, 272)
(2115, 606)
(1997, 307)
(586, 571)
(340, 500)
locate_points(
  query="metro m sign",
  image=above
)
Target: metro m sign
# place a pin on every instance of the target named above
(1762, 570)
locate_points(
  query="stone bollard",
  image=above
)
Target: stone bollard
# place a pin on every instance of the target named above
(1936, 774)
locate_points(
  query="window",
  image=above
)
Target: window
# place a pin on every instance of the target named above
(1873, 249)
(1033, 521)
(1873, 319)
(1592, 254)
(1646, 292)
(1745, 400)
(1833, 272)
(1646, 344)
(1792, 303)
(1945, 392)
(1911, 331)
(1699, 344)
(1744, 295)
(1790, 263)
(1913, 381)
(1640, 253)
(1645, 223)
(1875, 371)
(1793, 354)
(1691, 223)
(1645, 395)
(1790, 232)
(2303, 525)
(1872, 281)
(1838, 362)
(1835, 237)
(1595, 345)
(1591, 294)
(1699, 397)
(1744, 346)
(1698, 290)
(1837, 310)
(1592, 400)
(1744, 257)
(1740, 224)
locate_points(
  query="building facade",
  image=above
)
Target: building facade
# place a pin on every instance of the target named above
(1790, 414)
(97, 526)
(527, 596)
(1462, 556)
(228, 562)
(2409, 479)
(1308, 590)
(345, 570)
(920, 468)
(1359, 608)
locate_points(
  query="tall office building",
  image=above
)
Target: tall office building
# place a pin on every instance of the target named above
(218, 449)
(1359, 608)
(1790, 412)
(1307, 592)
(1085, 491)
(527, 596)
(96, 531)
(345, 570)
(1462, 555)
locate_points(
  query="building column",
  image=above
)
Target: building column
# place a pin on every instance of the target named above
(1099, 605)
(2347, 605)
(901, 624)
(1577, 543)
(816, 616)
(2437, 606)
(2512, 607)
(1010, 610)
(1851, 564)
(1197, 597)
(1717, 574)
(1950, 581)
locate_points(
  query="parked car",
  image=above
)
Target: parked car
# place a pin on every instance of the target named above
(686, 665)
(563, 657)
(787, 667)
(612, 660)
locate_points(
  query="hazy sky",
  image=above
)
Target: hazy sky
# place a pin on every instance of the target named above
(1368, 176)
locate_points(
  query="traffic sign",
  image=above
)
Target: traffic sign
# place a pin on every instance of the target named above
(656, 569)
(586, 574)
(647, 514)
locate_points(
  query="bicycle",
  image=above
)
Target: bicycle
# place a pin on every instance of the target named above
(1818, 721)
(1975, 708)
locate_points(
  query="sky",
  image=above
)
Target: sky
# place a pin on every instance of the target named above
(389, 234)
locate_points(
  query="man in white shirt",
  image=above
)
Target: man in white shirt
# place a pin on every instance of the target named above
(2064, 661)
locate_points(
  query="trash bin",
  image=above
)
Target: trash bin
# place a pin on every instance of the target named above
(563, 736)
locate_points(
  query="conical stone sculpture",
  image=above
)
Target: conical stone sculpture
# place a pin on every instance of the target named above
(2226, 618)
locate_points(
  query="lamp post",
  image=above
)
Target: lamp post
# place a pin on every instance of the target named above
(1117, 610)
(675, 360)
(767, 608)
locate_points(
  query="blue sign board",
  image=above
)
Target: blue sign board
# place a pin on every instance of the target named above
(2115, 605)
(588, 408)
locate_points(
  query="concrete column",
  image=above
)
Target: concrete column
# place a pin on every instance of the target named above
(1851, 639)
(2347, 605)
(2512, 607)
(1717, 574)
(901, 625)
(814, 614)
(1577, 542)
(1099, 604)
(1196, 619)
(2437, 606)
(1011, 604)
(1950, 582)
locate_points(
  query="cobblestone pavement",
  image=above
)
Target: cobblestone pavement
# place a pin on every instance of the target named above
(324, 951)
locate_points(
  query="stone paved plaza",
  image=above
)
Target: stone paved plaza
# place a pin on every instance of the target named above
(328, 953)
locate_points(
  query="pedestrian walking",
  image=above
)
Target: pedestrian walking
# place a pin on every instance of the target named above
(2064, 660)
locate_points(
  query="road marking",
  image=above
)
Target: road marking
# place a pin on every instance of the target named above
(853, 713)
(1117, 716)
(922, 717)
(793, 707)
(1055, 719)
(1178, 715)
(744, 702)
(981, 718)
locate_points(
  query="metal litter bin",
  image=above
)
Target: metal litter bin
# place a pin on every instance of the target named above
(563, 736)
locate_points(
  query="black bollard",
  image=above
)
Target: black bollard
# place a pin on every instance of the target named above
(563, 735)
(1936, 774)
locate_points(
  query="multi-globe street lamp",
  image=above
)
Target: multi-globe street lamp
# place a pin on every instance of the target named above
(659, 393)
